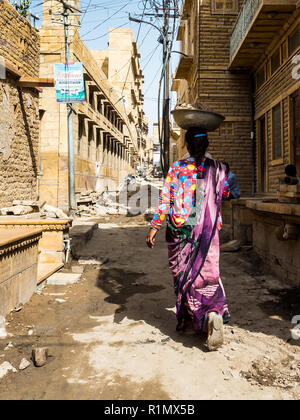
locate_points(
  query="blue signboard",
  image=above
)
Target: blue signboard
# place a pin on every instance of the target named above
(69, 83)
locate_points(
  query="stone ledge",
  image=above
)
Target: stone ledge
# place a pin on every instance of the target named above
(46, 270)
(15, 222)
(12, 239)
(277, 208)
(80, 235)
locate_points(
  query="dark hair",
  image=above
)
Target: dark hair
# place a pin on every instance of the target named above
(227, 166)
(197, 143)
(290, 170)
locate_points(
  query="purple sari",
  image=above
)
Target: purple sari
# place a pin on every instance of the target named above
(194, 253)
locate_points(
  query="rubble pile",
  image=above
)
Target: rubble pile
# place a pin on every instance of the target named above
(99, 204)
(121, 201)
(196, 106)
(33, 210)
(131, 198)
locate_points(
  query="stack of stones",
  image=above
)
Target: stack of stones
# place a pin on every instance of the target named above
(289, 190)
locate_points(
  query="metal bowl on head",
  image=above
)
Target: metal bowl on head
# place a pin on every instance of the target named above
(187, 118)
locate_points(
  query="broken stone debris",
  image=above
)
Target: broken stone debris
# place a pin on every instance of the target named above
(91, 261)
(16, 210)
(77, 269)
(111, 202)
(62, 279)
(58, 300)
(33, 209)
(89, 204)
(6, 367)
(9, 346)
(40, 356)
(24, 364)
(3, 333)
(59, 214)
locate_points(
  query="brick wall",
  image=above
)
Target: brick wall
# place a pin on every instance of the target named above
(222, 91)
(19, 41)
(19, 109)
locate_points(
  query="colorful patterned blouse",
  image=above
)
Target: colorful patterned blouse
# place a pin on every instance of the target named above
(178, 194)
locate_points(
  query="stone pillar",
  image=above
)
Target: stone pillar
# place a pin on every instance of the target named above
(115, 157)
(99, 144)
(108, 154)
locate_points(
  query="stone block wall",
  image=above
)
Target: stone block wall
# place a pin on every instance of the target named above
(18, 267)
(19, 109)
(280, 256)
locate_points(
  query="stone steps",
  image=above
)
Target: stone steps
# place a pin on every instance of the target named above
(45, 270)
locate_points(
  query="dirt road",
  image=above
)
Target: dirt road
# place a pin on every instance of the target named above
(114, 336)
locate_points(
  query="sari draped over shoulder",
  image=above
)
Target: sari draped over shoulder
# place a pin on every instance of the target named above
(194, 252)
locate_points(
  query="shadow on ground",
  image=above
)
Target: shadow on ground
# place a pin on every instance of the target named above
(138, 280)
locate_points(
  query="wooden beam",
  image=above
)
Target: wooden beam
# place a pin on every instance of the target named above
(12, 69)
(35, 82)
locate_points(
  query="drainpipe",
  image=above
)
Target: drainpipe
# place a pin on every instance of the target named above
(253, 136)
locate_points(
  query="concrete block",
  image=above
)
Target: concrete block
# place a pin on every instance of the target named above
(52, 241)
(50, 257)
(40, 356)
(63, 279)
(80, 235)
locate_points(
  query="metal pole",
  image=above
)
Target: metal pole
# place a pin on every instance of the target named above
(71, 171)
(166, 102)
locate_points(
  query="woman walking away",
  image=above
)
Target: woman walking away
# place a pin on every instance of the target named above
(191, 199)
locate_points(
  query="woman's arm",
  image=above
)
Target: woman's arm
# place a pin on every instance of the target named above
(226, 192)
(165, 201)
(150, 241)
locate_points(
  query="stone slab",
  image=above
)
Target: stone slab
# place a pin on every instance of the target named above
(80, 235)
(9, 236)
(63, 279)
(84, 230)
(45, 270)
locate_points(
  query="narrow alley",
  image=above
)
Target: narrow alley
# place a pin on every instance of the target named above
(112, 335)
(125, 123)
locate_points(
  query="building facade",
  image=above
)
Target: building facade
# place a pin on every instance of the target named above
(108, 132)
(242, 59)
(203, 76)
(265, 42)
(269, 49)
(19, 107)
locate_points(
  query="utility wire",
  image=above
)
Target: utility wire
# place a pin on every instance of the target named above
(138, 34)
(100, 24)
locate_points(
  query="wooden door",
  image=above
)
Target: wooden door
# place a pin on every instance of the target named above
(262, 154)
(296, 130)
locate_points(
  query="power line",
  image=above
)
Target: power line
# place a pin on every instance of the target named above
(98, 26)
(138, 34)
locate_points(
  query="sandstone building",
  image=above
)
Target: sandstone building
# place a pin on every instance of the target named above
(243, 61)
(203, 75)
(19, 107)
(265, 44)
(22, 241)
(109, 129)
